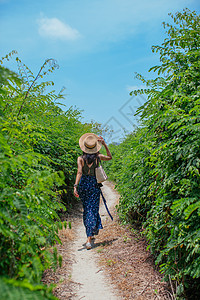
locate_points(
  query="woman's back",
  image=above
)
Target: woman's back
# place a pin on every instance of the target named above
(89, 169)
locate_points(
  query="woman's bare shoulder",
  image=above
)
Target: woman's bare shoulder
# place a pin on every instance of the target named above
(80, 160)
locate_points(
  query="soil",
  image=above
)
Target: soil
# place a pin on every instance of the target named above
(117, 267)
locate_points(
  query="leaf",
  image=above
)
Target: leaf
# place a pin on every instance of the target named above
(193, 207)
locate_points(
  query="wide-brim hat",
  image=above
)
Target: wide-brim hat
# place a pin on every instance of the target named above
(89, 143)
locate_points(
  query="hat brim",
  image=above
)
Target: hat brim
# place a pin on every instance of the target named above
(87, 150)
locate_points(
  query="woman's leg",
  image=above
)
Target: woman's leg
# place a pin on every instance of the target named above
(89, 239)
(90, 196)
(88, 243)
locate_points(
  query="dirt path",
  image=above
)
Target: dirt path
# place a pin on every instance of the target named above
(92, 282)
(117, 267)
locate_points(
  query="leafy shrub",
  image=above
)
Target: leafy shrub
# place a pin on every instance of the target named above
(38, 150)
(159, 180)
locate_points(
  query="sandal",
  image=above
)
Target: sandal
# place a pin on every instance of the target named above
(88, 246)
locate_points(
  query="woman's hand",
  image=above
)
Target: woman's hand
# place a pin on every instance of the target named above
(101, 140)
(75, 192)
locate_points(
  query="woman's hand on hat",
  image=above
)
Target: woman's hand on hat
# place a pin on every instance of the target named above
(101, 140)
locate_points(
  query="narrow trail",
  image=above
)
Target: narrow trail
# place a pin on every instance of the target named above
(117, 267)
(90, 279)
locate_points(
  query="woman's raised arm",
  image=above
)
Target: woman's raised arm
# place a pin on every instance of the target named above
(101, 156)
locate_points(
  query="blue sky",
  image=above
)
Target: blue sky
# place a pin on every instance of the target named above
(98, 44)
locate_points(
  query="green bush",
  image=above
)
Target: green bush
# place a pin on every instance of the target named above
(38, 151)
(158, 165)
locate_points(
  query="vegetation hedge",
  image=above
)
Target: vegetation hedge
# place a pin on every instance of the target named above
(157, 166)
(38, 154)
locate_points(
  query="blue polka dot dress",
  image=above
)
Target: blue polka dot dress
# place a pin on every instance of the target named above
(89, 193)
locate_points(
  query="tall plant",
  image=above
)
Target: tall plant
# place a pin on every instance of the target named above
(163, 190)
(38, 158)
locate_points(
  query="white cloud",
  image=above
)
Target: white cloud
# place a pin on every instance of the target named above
(56, 29)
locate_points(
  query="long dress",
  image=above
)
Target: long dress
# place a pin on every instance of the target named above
(89, 192)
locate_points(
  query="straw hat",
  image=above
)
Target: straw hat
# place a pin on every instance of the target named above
(88, 143)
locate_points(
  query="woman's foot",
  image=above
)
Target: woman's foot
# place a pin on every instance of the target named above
(88, 246)
(89, 243)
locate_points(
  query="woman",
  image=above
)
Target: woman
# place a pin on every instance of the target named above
(89, 189)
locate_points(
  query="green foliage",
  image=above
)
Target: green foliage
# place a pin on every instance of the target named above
(38, 153)
(22, 290)
(157, 167)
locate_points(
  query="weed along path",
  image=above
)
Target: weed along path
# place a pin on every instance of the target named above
(91, 281)
(117, 267)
